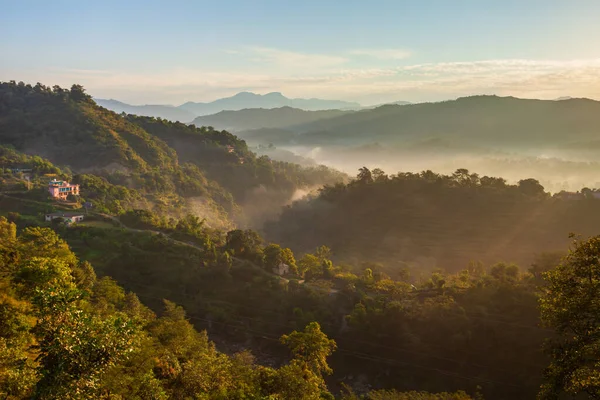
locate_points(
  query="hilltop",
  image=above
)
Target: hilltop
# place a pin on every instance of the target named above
(398, 322)
(188, 111)
(431, 220)
(245, 100)
(213, 171)
(171, 113)
(504, 122)
(256, 118)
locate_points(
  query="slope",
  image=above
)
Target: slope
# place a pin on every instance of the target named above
(256, 118)
(434, 221)
(160, 111)
(245, 100)
(173, 167)
(505, 122)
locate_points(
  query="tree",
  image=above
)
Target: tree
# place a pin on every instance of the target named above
(364, 175)
(569, 304)
(379, 175)
(275, 256)
(462, 176)
(310, 266)
(244, 243)
(587, 193)
(78, 94)
(75, 346)
(531, 187)
(311, 348)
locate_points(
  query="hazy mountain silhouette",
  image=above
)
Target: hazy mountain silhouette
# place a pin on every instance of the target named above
(245, 100)
(398, 103)
(493, 120)
(256, 118)
(161, 111)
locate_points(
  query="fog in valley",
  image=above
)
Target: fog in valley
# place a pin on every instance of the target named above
(556, 170)
(313, 200)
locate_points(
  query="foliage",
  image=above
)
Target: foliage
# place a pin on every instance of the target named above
(570, 304)
(66, 334)
(125, 162)
(310, 349)
(429, 220)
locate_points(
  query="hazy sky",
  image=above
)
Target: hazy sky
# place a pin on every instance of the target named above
(367, 51)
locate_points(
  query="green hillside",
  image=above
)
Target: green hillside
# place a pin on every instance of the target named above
(416, 293)
(175, 168)
(433, 221)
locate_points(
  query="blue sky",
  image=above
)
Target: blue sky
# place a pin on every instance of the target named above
(368, 51)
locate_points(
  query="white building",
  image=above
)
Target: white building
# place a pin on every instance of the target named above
(68, 217)
(281, 269)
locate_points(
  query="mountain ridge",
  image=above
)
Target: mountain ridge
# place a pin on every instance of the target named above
(482, 118)
(256, 118)
(164, 111)
(244, 100)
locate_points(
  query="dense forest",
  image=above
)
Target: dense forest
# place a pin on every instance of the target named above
(67, 334)
(387, 287)
(431, 220)
(211, 170)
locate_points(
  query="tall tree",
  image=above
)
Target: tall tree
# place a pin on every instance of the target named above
(570, 303)
(311, 348)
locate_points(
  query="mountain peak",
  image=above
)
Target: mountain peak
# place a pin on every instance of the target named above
(245, 100)
(275, 94)
(244, 95)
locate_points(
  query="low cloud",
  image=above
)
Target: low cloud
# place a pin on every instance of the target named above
(294, 60)
(332, 77)
(382, 54)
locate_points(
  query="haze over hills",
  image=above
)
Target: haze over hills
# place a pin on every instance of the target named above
(501, 121)
(243, 100)
(256, 118)
(160, 111)
(158, 187)
(251, 210)
(172, 168)
(270, 100)
(555, 141)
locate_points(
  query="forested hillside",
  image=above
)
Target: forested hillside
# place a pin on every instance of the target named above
(430, 220)
(67, 334)
(174, 168)
(477, 329)
(394, 287)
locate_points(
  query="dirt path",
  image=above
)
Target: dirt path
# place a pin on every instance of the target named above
(239, 260)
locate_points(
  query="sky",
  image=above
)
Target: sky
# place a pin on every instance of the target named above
(170, 52)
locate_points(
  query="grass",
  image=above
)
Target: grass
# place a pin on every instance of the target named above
(96, 224)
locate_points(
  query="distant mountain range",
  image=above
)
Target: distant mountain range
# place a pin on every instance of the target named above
(245, 100)
(161, 111)
(190, 110)
(502, 122)
(257, 118)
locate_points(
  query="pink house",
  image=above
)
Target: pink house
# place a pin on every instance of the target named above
(61, 189)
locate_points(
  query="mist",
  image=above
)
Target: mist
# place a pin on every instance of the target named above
(556, 170)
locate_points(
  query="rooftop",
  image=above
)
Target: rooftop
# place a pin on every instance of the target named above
(65, 214)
